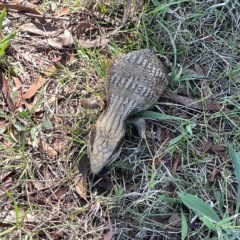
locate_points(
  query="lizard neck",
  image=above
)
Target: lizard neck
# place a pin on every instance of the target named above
(118, 110)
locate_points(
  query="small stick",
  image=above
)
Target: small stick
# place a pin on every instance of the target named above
(46, 16)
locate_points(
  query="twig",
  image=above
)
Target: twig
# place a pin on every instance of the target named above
(47, 16)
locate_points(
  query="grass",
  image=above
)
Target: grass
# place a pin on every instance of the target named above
(181, 182)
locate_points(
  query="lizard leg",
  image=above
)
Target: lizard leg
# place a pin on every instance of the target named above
(93, 102)
(140, 123)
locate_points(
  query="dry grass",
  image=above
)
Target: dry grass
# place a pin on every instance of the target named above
(140, 191)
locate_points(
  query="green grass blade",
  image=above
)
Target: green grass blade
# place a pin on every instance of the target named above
(8, 230)
(156, 115)
(2, 15)
(189, 77)
(184, 226)
(208, 223)
(159, 8)
(2, 48)
(199, 206)
(18, 126)
(236, 166)
(165, 6)
(236, 161)
(176, 139)
(227, 221)
(172, 43)
(8, 37)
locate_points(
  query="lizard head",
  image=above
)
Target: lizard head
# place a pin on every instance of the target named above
(104, 146)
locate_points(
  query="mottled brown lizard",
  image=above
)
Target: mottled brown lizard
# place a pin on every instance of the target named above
(134, 83)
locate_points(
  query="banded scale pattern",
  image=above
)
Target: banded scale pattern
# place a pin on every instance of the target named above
(134, 83)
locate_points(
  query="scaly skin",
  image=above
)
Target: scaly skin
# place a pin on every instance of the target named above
(134, 83)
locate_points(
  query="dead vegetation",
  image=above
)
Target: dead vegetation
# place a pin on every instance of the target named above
(59, 55)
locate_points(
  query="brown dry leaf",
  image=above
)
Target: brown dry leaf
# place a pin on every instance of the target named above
(99, 42)
(219, 149)
(80, 179)
(67, 38)
(5, 174)
(166, 135)
(5, 141)
(60, 192)
(64, 39)
(34, 87)
(28, 106)
(175, 164)
(18, 84)
(214, 106)
(52, 42)
(198, 69)
(8, 183)
(19, 8)
(171, 190)
(207, 147)
(80, 26)
(3, 124)
(63, 11)
(56, 59)
(214, 172)
(42, 145)
(25, 3)
(31, 187)
(45, 30)
(45, 147)
(6, 92)
(56, 38)
(109, 234)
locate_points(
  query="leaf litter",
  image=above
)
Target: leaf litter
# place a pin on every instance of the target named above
(90, 34)
(34, 87)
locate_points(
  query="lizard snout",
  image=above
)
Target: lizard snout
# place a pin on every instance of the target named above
(104, 149)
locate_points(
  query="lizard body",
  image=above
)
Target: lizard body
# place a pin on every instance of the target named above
(134, 83)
